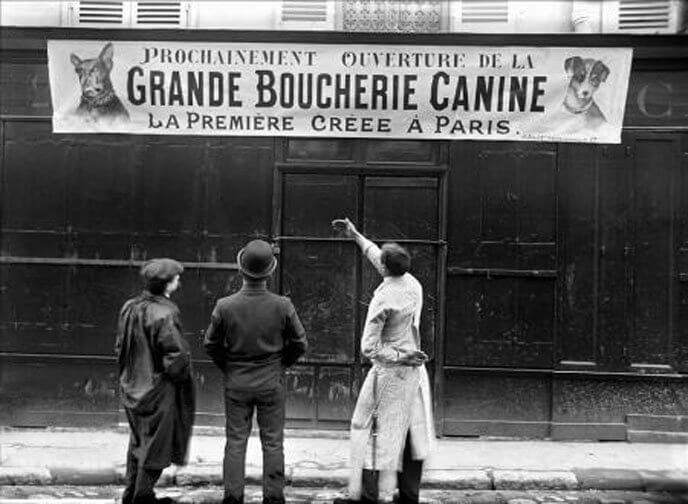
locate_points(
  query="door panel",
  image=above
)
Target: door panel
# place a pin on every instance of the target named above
(311, 202)
(320, 279)
(654, 170)
(399, 208)
(331, 284)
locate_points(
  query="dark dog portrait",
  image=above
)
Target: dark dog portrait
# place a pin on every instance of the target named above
(585, 77)
(98, 98)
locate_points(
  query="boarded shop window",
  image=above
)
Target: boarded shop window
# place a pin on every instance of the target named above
(401, 208)
(311, 202)
(320, 278)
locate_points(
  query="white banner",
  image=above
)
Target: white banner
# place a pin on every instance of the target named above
(556, 94)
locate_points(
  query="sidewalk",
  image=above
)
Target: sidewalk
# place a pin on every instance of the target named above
(87, 457)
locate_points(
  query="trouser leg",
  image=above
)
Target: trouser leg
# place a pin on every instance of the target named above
(239, 412)
(369, 486)
(130, 476)
(409, 478)
(145, 481)
(270, 414)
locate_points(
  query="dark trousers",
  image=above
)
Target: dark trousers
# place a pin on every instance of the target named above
(239, 407)
(139, 481)
(408, 479)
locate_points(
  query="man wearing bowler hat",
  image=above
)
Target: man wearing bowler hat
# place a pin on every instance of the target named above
(155, 379)
(253, 336)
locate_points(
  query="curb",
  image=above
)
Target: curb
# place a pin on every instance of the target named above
(198, 475)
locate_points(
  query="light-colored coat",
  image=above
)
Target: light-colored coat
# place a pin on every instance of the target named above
(402, 392)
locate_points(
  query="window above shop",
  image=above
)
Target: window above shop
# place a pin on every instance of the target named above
(374, 16)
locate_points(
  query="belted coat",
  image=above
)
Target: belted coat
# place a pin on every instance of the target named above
(401, 398)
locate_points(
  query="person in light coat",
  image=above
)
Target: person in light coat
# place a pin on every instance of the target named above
(392, 429)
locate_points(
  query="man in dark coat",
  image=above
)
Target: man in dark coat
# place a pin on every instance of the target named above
(156, 385)
(254, 335)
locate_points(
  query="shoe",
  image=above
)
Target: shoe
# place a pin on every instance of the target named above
(345, 498)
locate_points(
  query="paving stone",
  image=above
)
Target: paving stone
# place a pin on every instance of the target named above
(665, 481)
(200, 474)
(25, 476)
(534, 480)
(65, 475)
(319, 477)
(609, 479)
(457, 480)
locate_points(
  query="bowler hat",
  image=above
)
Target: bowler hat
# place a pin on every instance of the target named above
(257, 259)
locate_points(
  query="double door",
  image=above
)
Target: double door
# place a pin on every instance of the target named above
(331, 284)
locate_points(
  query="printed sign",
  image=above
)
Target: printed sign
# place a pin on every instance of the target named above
(408, 92)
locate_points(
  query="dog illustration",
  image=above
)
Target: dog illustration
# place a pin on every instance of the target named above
(98, 98)
(585, 77)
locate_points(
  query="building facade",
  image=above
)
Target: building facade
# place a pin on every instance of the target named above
(555, 274)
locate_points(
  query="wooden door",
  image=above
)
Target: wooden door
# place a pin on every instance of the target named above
(331, 284)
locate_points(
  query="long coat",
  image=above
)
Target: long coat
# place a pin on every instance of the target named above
(402, 393)
(156, 384)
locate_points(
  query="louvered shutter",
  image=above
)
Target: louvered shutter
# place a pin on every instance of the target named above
(100, 13)
(481, 16)
(160, 14)
(642, 16)
(306, 15)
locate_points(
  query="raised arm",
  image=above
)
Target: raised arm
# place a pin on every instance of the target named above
(369, 249)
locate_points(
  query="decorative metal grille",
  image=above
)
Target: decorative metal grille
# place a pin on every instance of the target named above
(417, 16)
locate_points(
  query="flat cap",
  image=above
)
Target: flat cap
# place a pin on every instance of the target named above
(162, 268)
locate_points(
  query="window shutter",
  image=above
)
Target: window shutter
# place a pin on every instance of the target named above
(306, 14)
(160, 13)
(99, 13)
(642, 16)
(129, 13)
(486, 16)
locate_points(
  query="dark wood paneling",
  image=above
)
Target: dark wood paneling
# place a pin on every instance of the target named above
(335, 397)
(613, 225)
(47, 391)
(655, 166)
(24, 87)
(301, 400)
(401, 208)
(32, 308)
(312, 201)
(210, 394)
(239, 196)
(199, 291)
(171, 198)
(417, 152)
(34, 200)
(320, 279)
(657, 98)
(302, 149)
(613, 398)
(577, 342)
(499, 322)
(489, 404)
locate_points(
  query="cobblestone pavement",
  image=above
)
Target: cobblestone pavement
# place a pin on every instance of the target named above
(213, 494)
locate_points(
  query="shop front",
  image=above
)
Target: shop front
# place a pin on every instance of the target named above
(554, 273)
